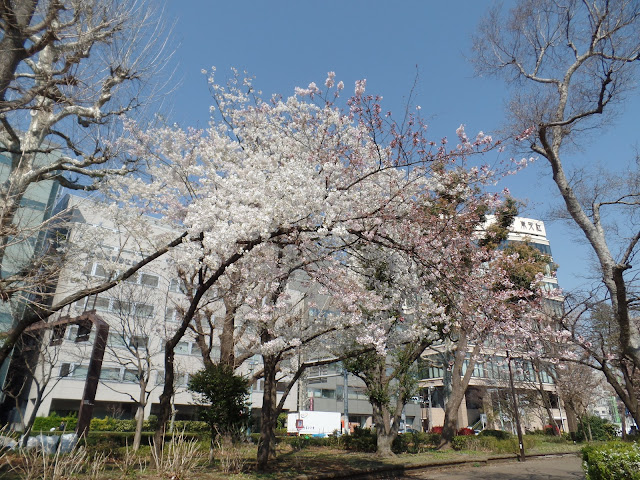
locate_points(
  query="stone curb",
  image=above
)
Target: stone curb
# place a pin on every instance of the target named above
(399, 469)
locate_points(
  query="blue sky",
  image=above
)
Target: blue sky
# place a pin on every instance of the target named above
(285, 44)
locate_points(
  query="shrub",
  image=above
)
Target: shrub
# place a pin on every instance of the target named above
(466, 431)
(191, 426)
(361, 440)
(437, 430)
(600, 429)
(420, 441)
(499, 434)
(107, 424)
(460, 442)
(400, 443)
(612, 461)
(299, 442)
(44, 424)
(551, 430)
(488, 443)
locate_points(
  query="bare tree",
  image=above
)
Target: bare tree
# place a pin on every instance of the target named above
(593, 330)
(572, 63)
(34, 376)
(578, 386)
(69, 69)
(136, 341)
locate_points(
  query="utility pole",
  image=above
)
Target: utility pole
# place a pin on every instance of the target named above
(522, 457)
(346, 401)
(429, 389)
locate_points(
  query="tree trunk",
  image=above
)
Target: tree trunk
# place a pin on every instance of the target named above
(266, 445)
(384, 443)
(16, 19)
(459, 384)
(28, 425)
(387, 426)
(612, 272)
(382, 421)
(139, 424)
(164, 413)
(227, 340)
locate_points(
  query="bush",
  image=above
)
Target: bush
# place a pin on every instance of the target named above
(299, 442)
(466, 431)
(361, 440)
(400, 443)
(437, 430)
(44, 424)
(460, 442)
(488, 443)
(612, 461)
(421, 441)
(551, 430)
(499, 434)
(600, 429)
(107, 424)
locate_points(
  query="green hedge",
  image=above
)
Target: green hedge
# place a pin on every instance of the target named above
(612, 461)
(44, 424)
(489, 443)
(499, 434)
(107, 424)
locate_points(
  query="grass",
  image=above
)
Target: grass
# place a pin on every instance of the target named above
(291, 463)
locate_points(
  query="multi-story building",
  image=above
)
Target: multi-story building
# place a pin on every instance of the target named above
(141, 312)
(26, 242)
(325, 389)
(486, 403)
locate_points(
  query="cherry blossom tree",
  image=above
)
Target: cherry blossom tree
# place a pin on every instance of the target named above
(299, 172)
(397, 333)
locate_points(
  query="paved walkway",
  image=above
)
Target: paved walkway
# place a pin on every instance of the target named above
(567, 467)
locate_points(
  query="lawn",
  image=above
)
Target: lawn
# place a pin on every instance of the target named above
(189, 461)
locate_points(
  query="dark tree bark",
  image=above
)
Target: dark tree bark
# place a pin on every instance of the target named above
(267, 445)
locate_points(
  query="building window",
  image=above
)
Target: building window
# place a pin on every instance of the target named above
(116, 340)
(138, 342)
(110, 374)
(180, 379)
(117, 307)
(172, 315)
(143, 310)
(57, 335)
(84, 332)
(322, 393)
(177, 286)
(65, 370)
(95, 269)
(73, 370)
(188, 348)
(131, 376)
